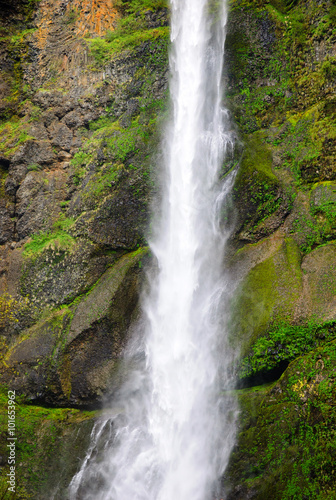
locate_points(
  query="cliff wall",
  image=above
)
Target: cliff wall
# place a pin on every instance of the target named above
(282, 82)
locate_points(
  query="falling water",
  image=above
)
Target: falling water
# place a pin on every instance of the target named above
(171, 429)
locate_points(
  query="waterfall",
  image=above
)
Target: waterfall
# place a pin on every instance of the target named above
(171, 427)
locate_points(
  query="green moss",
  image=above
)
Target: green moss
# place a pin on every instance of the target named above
(126, 143)
(283, 6)
(246, 4)
(117, 149)
(138, 6)
(279, 76)
(305, 228)
(256, 159)
(14, 134)
(96, 302)
(80, 160)
(16, 42)
(130, 31)
(58, 240)
(285, 342)
(255, 302)
(103, 50)
(63, 223)
(126, 151)
(102, 123)
(257, 191)
(39, 433)
(297, 142)
(19, 37)
(256, 163)
(290, 438)
(323, 207)
(102, 182)
(3, 176)
(34, 167)
(267, 294)
(320, 270)
(119, 143)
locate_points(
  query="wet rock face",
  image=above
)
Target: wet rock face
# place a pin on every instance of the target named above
(37, 202)
(58, 275)
(119, 221)
(55, 125)
(69, 359)
(294, 418)
(283, 307)
(48, 434)
(77, 138)
(47, 137)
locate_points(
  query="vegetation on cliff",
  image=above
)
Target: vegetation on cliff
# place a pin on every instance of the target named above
(79, 135)
(282, 84)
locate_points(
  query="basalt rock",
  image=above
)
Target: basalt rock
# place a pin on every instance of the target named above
(69, 358)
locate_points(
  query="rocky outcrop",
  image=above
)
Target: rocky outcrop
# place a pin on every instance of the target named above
(46, 434)
(284, 134)
(68, 358)
(286, 445)
(75, 162)
(281, 58)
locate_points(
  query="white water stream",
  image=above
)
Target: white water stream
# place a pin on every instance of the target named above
(171, 431)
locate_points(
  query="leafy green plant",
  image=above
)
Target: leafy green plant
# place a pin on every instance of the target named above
(285, 343)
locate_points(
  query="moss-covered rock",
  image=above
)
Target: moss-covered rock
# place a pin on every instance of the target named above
(69, 358)
(75, 185)
(57, 268)
(78, 132)
(319, 268)
(268, 293)
(279, 55)
(284, 342)
(260, 200)
(98, 331)
(286, 446)
(43, 436)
